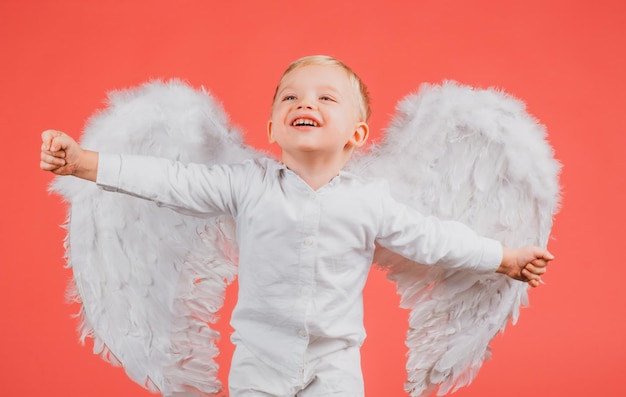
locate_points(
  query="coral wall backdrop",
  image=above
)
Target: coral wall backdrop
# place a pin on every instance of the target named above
(565, 58)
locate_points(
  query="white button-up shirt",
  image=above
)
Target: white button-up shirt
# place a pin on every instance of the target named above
(304, 255)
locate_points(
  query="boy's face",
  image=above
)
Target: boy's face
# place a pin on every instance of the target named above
(315, 111)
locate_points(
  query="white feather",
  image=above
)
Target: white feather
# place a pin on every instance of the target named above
(151, 280)
(477, 157)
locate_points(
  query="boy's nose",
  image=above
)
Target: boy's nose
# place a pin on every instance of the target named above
(305, 103)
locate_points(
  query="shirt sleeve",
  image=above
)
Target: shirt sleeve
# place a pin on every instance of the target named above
(431, 241)
(192, 189)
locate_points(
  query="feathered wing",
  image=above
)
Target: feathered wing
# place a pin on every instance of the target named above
(474, 156)
(151, 280)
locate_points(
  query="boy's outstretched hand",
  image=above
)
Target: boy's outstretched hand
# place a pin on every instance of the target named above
(526, 264)
(60, 154)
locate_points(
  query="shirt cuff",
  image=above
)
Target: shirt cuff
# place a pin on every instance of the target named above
(492, 255)
(109, 168)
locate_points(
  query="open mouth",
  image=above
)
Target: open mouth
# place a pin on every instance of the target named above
(304, 123)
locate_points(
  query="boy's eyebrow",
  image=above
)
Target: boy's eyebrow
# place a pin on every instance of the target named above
(331, 88)
(322, 88)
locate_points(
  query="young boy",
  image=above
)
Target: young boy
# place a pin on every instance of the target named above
(306, 232)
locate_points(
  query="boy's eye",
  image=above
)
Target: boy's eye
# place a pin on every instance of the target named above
(326, 98)
(289, 97)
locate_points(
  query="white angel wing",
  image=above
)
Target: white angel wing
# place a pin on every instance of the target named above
(151, 280)
(474, 156)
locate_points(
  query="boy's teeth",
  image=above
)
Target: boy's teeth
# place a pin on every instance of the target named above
(308, 122)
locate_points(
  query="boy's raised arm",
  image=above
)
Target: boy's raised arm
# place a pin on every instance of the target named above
(61, 155)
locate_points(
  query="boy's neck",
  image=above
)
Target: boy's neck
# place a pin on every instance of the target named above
(315, 170)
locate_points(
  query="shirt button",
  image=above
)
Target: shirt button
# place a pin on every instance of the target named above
(308, 241)
(312, 196)
(305, 291)
(302, 333)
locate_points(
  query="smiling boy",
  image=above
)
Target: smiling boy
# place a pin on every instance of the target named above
(318, 119)
(306, 232)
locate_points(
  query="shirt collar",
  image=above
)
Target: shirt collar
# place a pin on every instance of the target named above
(276, 166)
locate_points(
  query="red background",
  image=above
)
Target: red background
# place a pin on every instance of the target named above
(566, 59)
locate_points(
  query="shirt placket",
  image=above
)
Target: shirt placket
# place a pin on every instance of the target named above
(306, 275)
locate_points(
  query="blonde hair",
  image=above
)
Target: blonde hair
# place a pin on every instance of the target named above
(360, 90)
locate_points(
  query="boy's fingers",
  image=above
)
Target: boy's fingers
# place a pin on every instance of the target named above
(47, 137)
(533, 280)
(538, 262)
(528, 274)
(45, 166)
(533, 268)
(57, 143)
(51, 163)
(59, 153)
(53, 140)
(53, 158)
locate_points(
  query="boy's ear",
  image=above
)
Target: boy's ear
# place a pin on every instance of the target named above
(360, 134)
(270, 136)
